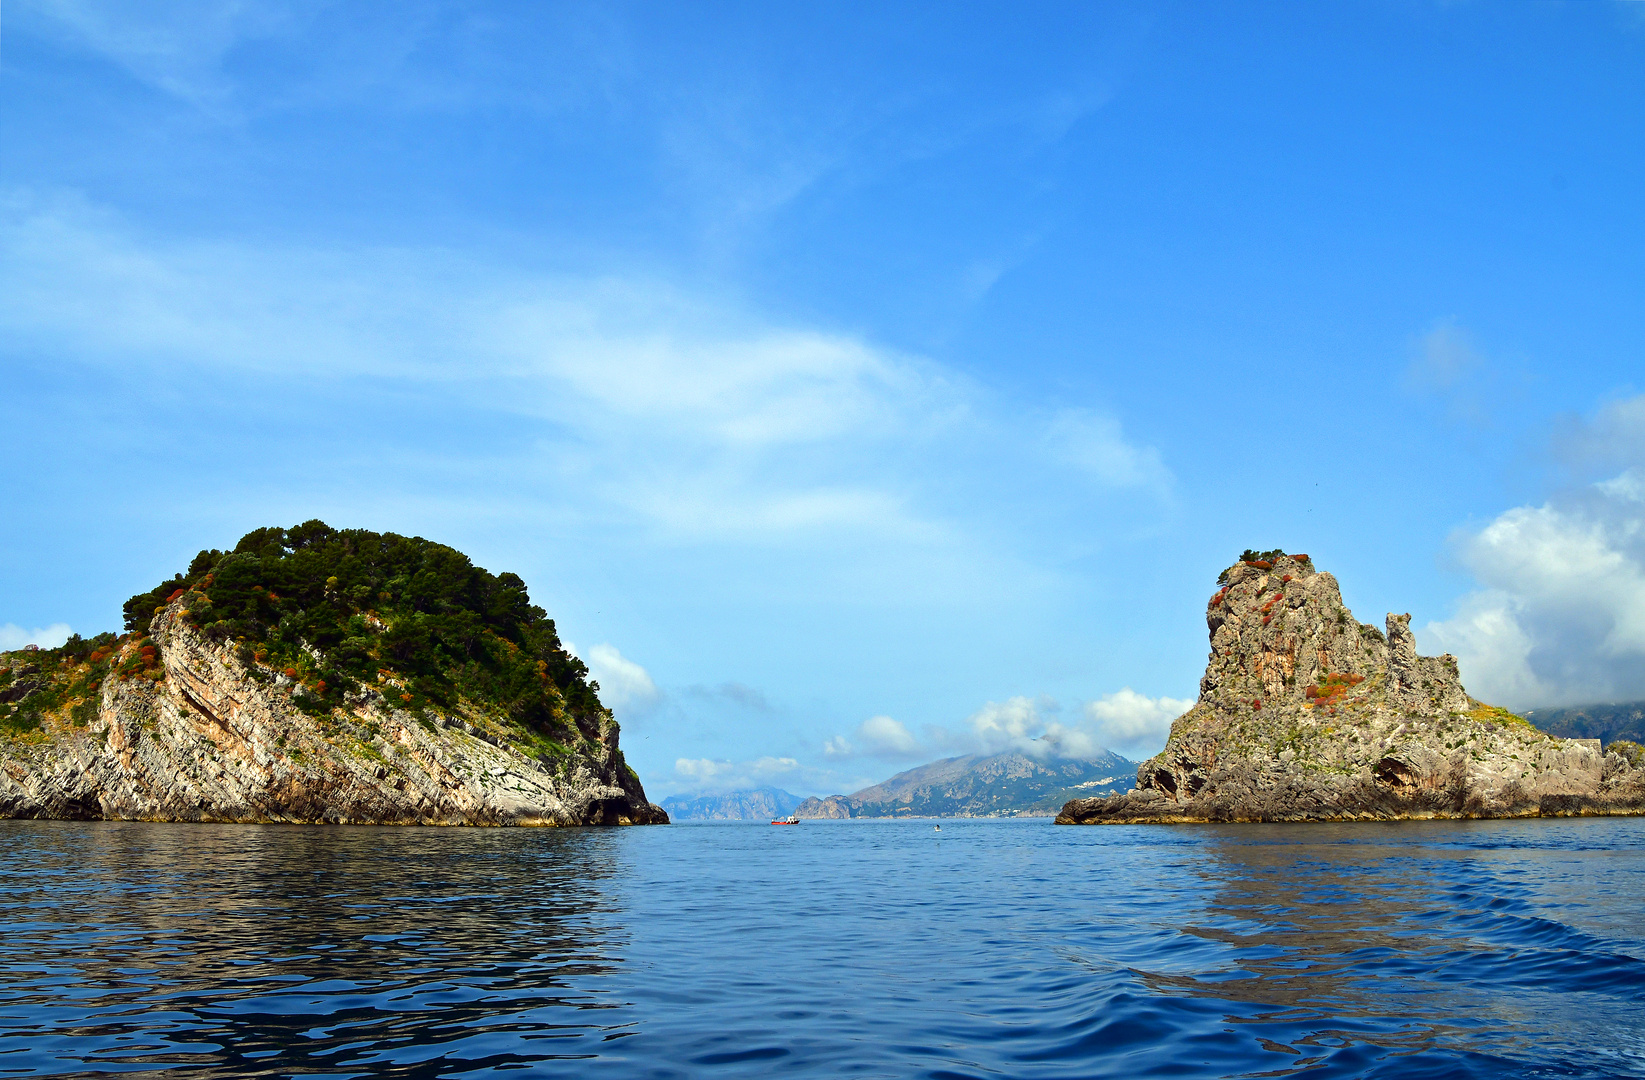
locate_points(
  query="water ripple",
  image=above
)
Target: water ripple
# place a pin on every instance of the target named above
(884, 949)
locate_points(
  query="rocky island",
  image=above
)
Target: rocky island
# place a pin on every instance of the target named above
(318, 675)
(1306, 714)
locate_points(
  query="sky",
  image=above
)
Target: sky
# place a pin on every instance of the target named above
(854, 384)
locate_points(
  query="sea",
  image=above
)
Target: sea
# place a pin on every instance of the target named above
(983, 948)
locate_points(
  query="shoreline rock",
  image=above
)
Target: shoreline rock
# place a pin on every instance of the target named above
(208, 742)
(1305, 714)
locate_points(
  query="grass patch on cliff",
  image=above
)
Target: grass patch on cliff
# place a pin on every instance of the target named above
(1496, 714)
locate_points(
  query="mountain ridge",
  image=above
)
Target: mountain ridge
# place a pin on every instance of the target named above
(1609, 721)
(751, 804)
(977, 785)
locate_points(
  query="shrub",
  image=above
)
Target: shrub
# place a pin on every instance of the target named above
(1331, 687)
(1632, 752)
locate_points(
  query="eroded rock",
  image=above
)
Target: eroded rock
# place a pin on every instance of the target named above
(1306, 714)
(209, 741)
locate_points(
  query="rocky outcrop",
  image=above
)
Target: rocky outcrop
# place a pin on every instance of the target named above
(832, 808)
(201, 736)
(1305, 714)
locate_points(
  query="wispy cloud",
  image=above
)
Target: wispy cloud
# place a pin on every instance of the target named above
(1448, 368)
(694, 418)
(176, 47)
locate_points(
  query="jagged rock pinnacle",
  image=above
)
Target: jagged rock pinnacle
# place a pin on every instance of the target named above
(1304, 713)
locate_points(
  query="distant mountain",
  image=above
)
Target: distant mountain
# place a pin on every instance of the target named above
(759, 804)
(997, 785)
(1607, 723)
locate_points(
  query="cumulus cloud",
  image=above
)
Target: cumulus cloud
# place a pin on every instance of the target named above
(623, 683)
(13, 636)
(708, 774)
(1126, 722)
(1133, 724)
(878, 736)
(1013, 724)
(701, 769)
(1560, 615)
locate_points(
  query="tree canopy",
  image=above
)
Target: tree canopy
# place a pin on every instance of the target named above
(337, 609)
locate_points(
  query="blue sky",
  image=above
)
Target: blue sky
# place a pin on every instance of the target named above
(854, 384)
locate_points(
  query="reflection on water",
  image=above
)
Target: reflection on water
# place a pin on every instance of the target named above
(993, 948)
(134, 945)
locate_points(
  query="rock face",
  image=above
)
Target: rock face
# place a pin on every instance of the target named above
(209, 742)
(994, 785)
(1305, 714)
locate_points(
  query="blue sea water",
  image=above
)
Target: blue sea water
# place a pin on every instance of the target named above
(831, 949)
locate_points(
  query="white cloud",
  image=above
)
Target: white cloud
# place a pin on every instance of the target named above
(13, 636)
(1126, 722)
(879, 737)
(624, 684)
(1133, 724)
(884, 736)
(1560, 615)
(1013, 724)
(701, 769)
(708, 774)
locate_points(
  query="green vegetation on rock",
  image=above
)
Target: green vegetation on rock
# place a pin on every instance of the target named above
(336, 611)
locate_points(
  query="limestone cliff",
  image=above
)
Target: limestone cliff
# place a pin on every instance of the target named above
(195, 717)
(1306, 714)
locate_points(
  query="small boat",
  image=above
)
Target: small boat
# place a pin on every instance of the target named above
(789, 820)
